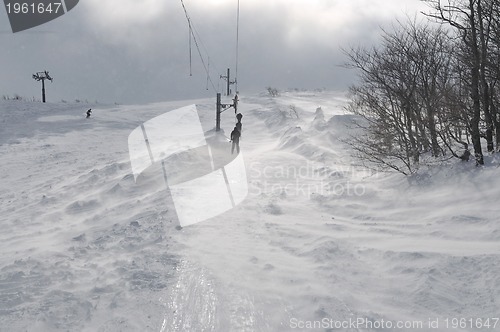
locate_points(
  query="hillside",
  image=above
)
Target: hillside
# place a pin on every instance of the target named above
(84, 247)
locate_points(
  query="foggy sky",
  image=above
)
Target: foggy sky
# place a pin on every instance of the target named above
(137, 51)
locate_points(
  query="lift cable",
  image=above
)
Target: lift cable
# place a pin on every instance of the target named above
(237, 44)
(193, 35)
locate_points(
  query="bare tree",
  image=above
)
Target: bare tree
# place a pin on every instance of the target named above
(402, 96)
(474, 22)
(431, 90)
(494, 67)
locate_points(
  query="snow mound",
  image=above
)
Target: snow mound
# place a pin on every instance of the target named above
(278, 116)
(319, 122)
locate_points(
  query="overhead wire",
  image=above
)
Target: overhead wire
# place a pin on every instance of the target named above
(190, 52)
(211, 62)
(208, 71)
(193, 35)
(203, 45)
(237, 44)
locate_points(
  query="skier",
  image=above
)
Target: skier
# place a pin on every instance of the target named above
(235, 138)
(239, 116)
(236, 99)
(89, 112)
(238, 124)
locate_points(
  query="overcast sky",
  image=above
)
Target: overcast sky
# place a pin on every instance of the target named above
(137, 51)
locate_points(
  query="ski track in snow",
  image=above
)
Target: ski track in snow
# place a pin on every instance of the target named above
(85, 248)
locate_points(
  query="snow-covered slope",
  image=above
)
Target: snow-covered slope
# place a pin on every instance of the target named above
(318, 240)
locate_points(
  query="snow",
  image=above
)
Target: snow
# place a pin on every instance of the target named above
(86, 247)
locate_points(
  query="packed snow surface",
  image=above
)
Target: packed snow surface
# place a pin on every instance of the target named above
(319, 241)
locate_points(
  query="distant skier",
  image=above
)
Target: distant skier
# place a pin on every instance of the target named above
(89, 112)
(238, 126)
(235, 138)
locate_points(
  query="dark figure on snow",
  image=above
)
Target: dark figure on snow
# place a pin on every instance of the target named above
(238, 124)
(236, 99)
(89, 112)
(235, 138)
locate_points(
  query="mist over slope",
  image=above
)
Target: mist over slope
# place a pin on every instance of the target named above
(84, 247)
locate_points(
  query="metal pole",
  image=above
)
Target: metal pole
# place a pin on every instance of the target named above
(228, 83)
(43, 90)
(217, 113)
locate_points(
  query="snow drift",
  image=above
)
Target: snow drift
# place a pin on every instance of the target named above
(319, 239)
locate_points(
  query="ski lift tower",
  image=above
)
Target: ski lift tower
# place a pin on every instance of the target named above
(220, 107)
(227, 78)
(42, 76)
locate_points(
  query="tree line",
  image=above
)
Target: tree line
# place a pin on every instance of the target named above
(430, 90)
